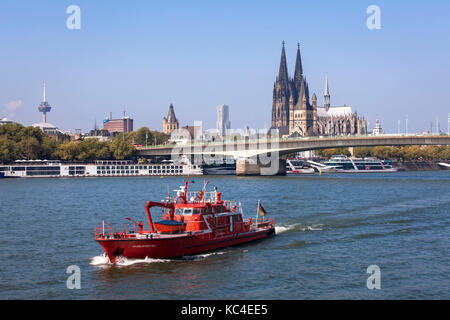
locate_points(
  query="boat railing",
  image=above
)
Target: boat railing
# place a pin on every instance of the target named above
(258, 223)
(107, 231)
(208, 196)
(232, 205)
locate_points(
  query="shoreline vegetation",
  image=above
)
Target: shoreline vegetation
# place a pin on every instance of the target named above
(18, 142)
(28, 143)
(397, 153)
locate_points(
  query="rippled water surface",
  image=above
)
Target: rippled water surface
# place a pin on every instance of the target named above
(330, 228)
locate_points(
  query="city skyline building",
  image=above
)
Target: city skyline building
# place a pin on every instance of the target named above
(120, 125)
(294, 114)
(223, 119)
(171, 122)
(377, 130)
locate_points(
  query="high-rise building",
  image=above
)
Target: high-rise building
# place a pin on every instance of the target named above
(294, 115)
(124, 124)
(223, 119)
(170, 123)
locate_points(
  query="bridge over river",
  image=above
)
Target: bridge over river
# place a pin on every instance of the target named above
(256, 152)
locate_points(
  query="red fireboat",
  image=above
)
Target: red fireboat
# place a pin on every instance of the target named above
(192, 223)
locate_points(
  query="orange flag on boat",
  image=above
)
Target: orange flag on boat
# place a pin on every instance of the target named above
(261, 210)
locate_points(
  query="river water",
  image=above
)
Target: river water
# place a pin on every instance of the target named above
(330, 229)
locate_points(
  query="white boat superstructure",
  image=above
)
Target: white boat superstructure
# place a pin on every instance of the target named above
(100, 168)
(342, 163)
(295, 167)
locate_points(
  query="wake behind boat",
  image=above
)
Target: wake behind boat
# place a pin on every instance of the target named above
(192, 223)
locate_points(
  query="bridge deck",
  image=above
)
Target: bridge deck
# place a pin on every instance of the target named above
(253, 147)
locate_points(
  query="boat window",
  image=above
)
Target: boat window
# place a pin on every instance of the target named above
(196, 211)
(179, 211)
(187, 211)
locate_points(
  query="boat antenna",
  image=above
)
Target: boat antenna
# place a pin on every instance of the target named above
(205, 183)
(185, 189)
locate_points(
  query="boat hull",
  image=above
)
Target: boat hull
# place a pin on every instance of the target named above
(365, 171)
(300, 172)
(177, 246)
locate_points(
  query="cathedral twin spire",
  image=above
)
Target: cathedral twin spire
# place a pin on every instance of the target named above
(289, 93)
(283, 74)
(292, 112)
(298, 68)
(296, 87)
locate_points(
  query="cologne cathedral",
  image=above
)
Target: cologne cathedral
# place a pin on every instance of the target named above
(294, 114)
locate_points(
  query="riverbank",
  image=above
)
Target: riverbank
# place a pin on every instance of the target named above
(419, 165)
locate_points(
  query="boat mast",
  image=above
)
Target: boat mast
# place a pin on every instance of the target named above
(257, 208)
(185, 190)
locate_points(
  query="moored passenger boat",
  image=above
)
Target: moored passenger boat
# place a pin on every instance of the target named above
(100, 168)
(341, 163)
(220, 168)
(191, 223)
(297, 167)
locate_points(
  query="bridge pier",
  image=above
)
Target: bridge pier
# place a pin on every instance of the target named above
(250, 167)
(351, 150)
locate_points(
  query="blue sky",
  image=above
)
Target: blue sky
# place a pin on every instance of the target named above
(144, 55)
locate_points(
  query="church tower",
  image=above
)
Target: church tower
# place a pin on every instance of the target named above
(298, 76)
(293, 114)
(314, 115)
(326, 96)
(171, 122)
(281, 97)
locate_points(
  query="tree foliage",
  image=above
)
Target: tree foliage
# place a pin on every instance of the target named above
(24, 143)
(395, 153)
(27, 143)
(121, 148)
(328, 153)
(145, 136)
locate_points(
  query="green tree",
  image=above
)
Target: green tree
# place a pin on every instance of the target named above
(68, 151)
(29, 148)
(140, 136)
(121, 149)
(381, 152)
(362, 152)
(431, 152)
(145, 136)
(8, 150)
(397, 153)
(48, 148)
(92, 149)
(328, 153)
(444, 154)
(413, 152)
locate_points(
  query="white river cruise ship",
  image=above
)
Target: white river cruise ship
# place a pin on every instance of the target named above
(100, 168)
